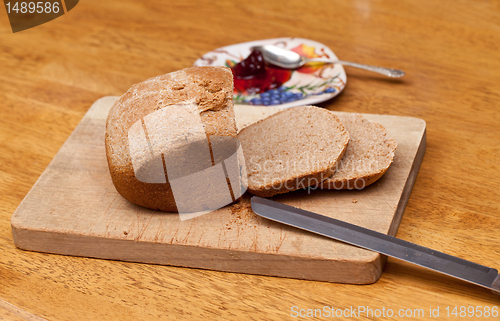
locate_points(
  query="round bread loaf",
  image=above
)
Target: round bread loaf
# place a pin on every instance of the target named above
(169, 119)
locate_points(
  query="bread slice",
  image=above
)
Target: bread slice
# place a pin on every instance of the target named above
(161, 129)
(293, 149)
(368, 156)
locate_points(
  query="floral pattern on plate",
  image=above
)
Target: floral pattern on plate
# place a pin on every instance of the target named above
(311, 84)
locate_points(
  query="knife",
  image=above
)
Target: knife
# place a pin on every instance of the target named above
(384, 244)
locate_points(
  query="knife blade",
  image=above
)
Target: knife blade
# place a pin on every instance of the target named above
(385, 244)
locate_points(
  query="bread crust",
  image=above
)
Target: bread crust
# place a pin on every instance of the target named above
(375, 160)
(209, 88)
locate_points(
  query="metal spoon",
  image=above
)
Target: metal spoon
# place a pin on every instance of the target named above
(291, 60)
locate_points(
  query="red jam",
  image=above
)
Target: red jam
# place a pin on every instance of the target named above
(253, 75)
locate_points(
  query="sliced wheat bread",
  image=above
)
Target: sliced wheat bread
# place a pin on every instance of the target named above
(368, 156)
(293, 149)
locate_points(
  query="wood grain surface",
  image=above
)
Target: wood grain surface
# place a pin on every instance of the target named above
(51, 74)
(74, 209)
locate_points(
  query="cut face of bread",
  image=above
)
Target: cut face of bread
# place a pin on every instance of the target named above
(293, 149)
(171, 142)
(368, 156)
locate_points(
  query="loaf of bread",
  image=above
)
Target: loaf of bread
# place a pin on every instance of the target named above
(172, 145)
(293, 149)
(167, 140)
(368, 156)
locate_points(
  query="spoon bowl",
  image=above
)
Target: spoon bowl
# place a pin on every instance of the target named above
(291, 60)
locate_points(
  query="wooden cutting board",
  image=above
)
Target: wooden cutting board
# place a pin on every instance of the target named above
(74, 209)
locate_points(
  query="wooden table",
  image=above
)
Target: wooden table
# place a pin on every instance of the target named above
(51, 74)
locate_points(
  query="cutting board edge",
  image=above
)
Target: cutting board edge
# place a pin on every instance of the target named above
(408, 188)
(223, 260)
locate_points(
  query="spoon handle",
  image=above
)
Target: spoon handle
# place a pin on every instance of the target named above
(395, 73)
(381, 70)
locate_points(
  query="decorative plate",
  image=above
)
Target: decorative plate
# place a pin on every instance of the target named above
(312, 83)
